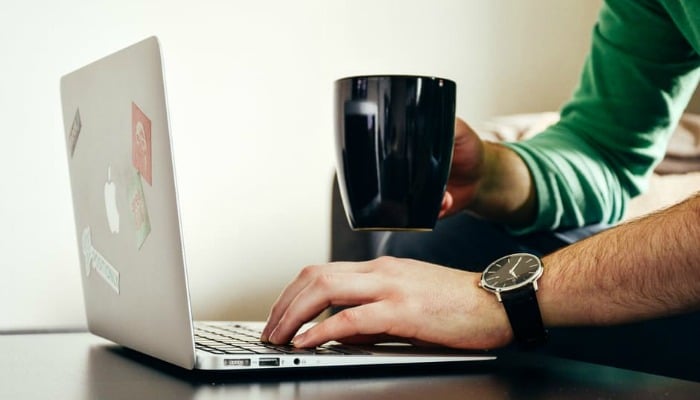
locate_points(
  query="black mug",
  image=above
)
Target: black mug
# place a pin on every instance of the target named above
(394, 138)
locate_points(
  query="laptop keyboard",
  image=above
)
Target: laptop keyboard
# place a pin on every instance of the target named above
(223, 338)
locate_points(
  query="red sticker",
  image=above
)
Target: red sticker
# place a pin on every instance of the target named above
(141, 142)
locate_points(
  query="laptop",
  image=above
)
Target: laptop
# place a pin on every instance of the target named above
(129, 236)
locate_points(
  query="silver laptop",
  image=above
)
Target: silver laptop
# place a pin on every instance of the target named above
(129, 235)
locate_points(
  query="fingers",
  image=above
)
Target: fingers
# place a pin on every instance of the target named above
(446, 205)
(467, 168)
(292, 290)
(315, 289)
(368, 320)
(461, 128)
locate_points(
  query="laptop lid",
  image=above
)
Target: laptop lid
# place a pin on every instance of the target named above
(125, 203)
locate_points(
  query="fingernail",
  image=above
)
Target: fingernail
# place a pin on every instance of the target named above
(272, 337)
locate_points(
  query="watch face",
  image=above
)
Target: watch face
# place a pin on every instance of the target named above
(511, 272)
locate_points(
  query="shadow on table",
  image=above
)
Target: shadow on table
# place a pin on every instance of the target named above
(117, 372)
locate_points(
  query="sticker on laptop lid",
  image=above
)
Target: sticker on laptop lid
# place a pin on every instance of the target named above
(141, 143)
(86, 247)
(74, 132)
(137, 205)
(93, 259)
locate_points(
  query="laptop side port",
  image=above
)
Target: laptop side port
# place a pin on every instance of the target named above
(237, 362)
(269, 362)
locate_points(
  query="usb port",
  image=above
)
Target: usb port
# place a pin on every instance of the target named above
(269, 362)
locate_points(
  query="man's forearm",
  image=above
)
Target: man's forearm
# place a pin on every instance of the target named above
(642, 269)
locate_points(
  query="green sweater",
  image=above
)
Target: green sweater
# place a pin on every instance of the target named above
(641, 71)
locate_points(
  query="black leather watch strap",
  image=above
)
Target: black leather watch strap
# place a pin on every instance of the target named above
(524, 315)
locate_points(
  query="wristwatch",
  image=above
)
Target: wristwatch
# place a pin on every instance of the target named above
(513, 278)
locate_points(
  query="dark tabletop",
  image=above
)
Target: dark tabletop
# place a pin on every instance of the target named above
(82, 366)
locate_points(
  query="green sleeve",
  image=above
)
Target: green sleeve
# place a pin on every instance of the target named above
(636, 82)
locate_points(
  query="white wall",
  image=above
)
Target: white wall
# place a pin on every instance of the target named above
(249, 85)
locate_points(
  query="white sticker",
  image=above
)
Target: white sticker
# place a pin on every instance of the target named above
(137, 203)
(94, 260)
(74, 132)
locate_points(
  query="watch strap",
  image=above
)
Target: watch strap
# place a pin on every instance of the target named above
(525, 317)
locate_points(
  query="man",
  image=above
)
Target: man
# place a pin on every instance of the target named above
(641, 71)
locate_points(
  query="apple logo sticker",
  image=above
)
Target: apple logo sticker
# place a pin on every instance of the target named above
(111, 202)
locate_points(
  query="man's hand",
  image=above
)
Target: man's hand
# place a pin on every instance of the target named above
(467, 169)
(488, 179)
(389, 299)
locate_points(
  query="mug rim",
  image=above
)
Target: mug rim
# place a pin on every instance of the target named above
(391, 76)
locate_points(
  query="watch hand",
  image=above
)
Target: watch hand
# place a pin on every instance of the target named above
(515, 266)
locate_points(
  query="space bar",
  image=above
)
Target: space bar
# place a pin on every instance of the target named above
(290, 349)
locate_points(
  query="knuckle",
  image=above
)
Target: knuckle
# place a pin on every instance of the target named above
(309, 271)
(385, 260)
(323, 281)
(387, 265)
(349, 316)
(384, 263)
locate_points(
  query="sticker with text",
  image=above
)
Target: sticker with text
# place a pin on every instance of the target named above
(141, 143)
(94, 260)
(74, 132)
(137, 205)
